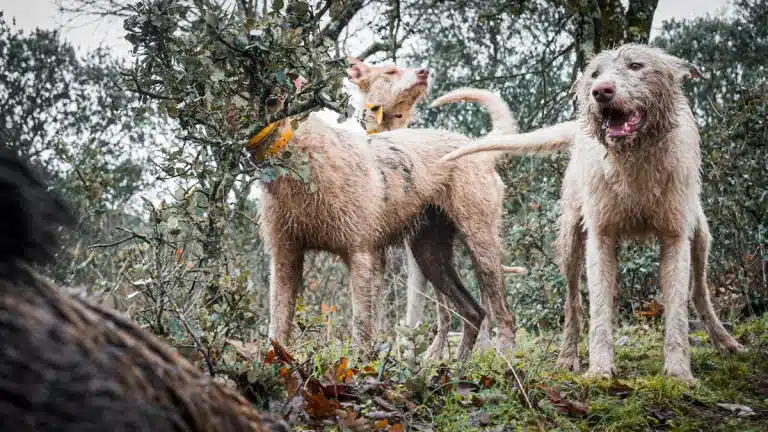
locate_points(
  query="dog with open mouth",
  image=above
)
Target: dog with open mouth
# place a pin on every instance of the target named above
(634, 173)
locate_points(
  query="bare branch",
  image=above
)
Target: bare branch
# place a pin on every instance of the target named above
(335, 27)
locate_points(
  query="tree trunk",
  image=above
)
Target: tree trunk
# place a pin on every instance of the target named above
(639, 20)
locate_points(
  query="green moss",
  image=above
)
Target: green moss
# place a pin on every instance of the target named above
(640, 399)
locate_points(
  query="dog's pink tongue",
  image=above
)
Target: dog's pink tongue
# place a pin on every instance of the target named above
(621, 130)
(625, 128)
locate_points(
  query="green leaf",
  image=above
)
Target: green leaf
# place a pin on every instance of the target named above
(252, 376)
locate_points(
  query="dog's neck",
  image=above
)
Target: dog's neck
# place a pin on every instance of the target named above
(376, 121)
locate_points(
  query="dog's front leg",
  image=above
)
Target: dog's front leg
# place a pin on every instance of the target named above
(417, 285)
(286, 265)
(675, 280)
(601, 278)
(570, 254)
(378, 289)
(362, 274)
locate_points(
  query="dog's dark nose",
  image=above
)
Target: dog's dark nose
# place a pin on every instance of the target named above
(422, 73)
(603, 92)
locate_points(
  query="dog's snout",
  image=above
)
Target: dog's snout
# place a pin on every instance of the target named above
(422, 73)
(604, 91)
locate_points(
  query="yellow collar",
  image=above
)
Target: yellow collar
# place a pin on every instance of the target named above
(372, 131)
(278, 136)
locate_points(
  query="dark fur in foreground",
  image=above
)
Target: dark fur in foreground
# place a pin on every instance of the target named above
(69, 365)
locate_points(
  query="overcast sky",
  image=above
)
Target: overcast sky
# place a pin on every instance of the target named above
(42, 13)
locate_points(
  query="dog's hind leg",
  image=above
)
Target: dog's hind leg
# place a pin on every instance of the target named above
(286, 279)
(436, 349)
(570, 254)
(433, 251)
(486, 329)
(719, 336)
(480, 225)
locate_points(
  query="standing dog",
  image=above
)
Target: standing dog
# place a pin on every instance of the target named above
(375, 192)
(634, 172)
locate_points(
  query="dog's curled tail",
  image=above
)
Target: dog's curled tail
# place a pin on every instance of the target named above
(502, 119)
(544, 140)
(31, 215)
(520, 271)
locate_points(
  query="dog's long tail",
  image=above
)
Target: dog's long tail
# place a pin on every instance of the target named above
(544, 140)
(502, 119)
(31, 215)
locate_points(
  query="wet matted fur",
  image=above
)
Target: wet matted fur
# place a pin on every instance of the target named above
(373, 192)
(634, 173)
(69, 365)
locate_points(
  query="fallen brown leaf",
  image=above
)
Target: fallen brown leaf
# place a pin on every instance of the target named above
(352, 420)
(566, 406)
(318, 406)
(281, 354)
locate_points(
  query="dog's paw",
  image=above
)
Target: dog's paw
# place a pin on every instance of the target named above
(568, 362)
(435, 350)
(728, 344)
(596, 372)
(679, 370)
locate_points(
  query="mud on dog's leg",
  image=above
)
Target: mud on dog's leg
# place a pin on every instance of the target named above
(480, 230)
(285, 282)
(675, 279)
(601, 278)
(379, 290)
(363, 267)
(570, 246)
(719, 336)
(436, 349)
(417, 285)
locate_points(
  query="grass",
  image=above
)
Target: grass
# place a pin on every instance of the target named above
(483, 394)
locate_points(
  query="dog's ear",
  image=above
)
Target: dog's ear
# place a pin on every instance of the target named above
(688, 71)
(685, 70)
(358, 72)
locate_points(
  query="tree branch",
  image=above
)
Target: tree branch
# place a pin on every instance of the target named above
(378, 47)
(334, 28)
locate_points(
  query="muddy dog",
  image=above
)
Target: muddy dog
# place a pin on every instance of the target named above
(504, 123)
(376, 191)
(634, 173)
(69, 365)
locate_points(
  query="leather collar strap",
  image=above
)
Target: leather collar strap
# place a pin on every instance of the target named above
(278, 136)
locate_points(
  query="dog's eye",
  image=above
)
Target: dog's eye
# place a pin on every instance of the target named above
(271, 101)
(595, 74)
(635, 66)
(391, 72)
